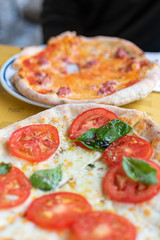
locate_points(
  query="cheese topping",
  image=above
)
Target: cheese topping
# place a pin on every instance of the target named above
(74, 68)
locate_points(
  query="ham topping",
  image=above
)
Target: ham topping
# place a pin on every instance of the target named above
(90, 64)
(106, 90)
(42, 61)
(121, 53)
(109, 83)
(41, 78)
(107, 87)
(63, 91)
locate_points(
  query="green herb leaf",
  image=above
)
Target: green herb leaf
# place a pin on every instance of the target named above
(90, 140)
(46, 179)
(96, 144)
(87, 136)
(113, 130)
(5, 168)
(100, 138)
(139, 170)
(91, 165)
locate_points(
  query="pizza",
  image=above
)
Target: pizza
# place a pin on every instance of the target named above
(78, 173)
(77, 69)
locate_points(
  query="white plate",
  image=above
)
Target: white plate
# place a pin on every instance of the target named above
(5, 75)
(154, 57)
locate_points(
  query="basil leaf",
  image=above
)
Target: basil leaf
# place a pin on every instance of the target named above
(87, 136)
(90, 140)
(139, 170)
(91, 165)
(5, 168)
(100, 138)
(96, 144)
(113, 130)
(46, 179)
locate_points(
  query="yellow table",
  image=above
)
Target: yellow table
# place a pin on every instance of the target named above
(13, 109)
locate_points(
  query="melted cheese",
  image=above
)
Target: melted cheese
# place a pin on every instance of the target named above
(46, 71)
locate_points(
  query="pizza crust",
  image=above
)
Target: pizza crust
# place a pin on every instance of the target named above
(135, 92)
(124, 96)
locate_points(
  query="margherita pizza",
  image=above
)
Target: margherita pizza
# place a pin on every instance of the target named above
(90, 172)
(77, 69)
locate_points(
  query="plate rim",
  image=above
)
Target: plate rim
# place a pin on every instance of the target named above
(16, 94)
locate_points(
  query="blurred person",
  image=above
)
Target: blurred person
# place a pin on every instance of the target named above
(135, 20)
(32, 10)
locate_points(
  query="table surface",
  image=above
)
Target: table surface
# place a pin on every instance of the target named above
(13, 109)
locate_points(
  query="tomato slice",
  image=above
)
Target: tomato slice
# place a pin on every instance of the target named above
(128, 146)
(119, 187)
(14, 188)
(103, 226)
(58, 210)
(34, 143)
(93, 118)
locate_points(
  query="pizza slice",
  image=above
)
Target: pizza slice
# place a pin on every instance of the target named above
(77, 69)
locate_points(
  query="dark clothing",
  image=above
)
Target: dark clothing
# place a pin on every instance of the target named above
(135, 20)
